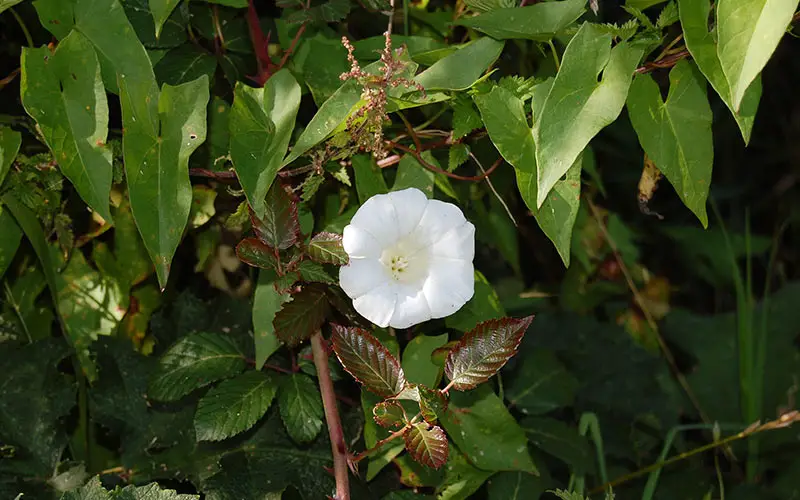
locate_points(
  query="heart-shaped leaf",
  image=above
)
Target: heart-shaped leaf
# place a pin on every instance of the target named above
(368, 361)
(389, 414)
(326, 248)
(481, 352)
(427, 444)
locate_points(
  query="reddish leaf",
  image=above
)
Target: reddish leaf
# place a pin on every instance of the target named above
(427, 444)
(368, 361)
(280, 227)
(255, 253)
(389, 414)
(326, 248)
(302, 316)
(482, 351)
(312, 272)
(432, 403)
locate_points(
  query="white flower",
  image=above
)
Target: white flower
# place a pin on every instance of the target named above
(410, 259)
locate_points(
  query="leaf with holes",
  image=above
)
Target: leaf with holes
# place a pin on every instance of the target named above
(254, 252)
(482, 351)
(193, 362)
(326, 248)
(302, 316)
(389, 414)
(368, 361)
(301, 407)
(427, 444)
(280, 226)
(234, 405)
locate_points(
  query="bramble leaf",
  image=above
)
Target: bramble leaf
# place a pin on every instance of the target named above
(300, 407)
(482, 351)
(311, 272)
(256, 253)
(432, 403)
(326, 248)
(279, 227)
(368, 361)
(427, 444)
(389, 414)
(302, 316)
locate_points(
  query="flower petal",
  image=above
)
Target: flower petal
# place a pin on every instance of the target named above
(360, 244)
(409, 204)
(411, 309)
(361, 276)
(378, 304)
(458, 243)
(378, 217)
(438, 219)
(449, 286)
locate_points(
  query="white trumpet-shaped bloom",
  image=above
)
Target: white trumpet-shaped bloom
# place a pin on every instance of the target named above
(410, 259)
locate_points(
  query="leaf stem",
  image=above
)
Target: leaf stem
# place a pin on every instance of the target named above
(338, 446)
(22, 26)
(555, 54)
(391, 437)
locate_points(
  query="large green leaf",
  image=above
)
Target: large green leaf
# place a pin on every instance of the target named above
(577, 105)
(267, 301)
(301, 317)
(161, 10)
(57, 16)
(518, 485)
(748, 31)
(157, 164)
(261, 124)
(560, 440)
(369, 177)
(10, 141)
(463, 68)
(461, 479)
(234, 405)
(93, 490)
(64, 93)
(538, 22)
(193, 362)
(676, 134)
(540, 384)
(411, 174)
(703, 47)
(10, 238)
(417, 364)
(185, 64)
(301, 407)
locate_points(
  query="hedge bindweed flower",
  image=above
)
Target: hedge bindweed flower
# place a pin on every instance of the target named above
(410, 259)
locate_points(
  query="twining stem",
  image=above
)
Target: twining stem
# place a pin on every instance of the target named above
(338, 446)
(22, 26)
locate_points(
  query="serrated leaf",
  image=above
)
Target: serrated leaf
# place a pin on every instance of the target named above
(267, 301)
(63, 92)
(522, 88)
(367, 360)
(369, 178)
(539, 22)
(256, 253)
(279, 227)
(577, 105)
(389, 414)
(461, 69)
(676, 133)
(301, 407)
(326, 248)
(481, 352)
(234, 405)
(261, 124)
(456, 156)
(465, 118)
(151, 491)
(427, 444)
(432, 403)
(193, 362)
(311, 272)
(668, 15)
(301, 317)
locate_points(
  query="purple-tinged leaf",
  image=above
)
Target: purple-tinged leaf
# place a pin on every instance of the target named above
(280, 226)
(326, 248)
(482, 351)
(311, 272)
(254, 252)
(302, 316)
(368, 361)
(427, 444)
(389, 414)
(409, 393)
(432, 403)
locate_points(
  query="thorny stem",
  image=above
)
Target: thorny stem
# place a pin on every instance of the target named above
(338, 446)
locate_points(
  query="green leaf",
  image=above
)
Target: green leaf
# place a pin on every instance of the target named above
(193, 362)
(748, 31)
(279, 226)
(133, 262)
(184, 64)
(234, 405)
(577, 105)
(427, 444)
(484, 304)
(326, 248)
(389, 414)
(64, 93)
(517, 486)
(541, 384)
(301, 317)
(703, 47)
(261, 124)
(417, 364)
(483, 429)
(56, 16)
(311, 272)
(411, 173)
(151, 492)
(539, 22)
(481, 352)
(157, 164)
(368, 361)
(173, 33)
(676, 134)
(301, 407)
(10, 141)
(373, 433)
(268, 300)
(256, 253)
(369, 178)
(321, 60)
(461, 479)
(7, 4)
(560, 440)
(10, 238)
(460, 70)
(161, 10)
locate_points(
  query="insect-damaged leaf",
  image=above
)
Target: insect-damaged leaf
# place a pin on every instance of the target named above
(482, 351)
(280, 226)
(302, 316)
(427, 444)
(389, 414)
(326, 248)
(368, 361)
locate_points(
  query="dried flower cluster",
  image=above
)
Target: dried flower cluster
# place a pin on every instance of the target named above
(366, 125)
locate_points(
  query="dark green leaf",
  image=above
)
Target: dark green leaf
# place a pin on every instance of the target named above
(311, 272)
(151, 492)
(193, 362)
(411, 174)
(301, 317)
(7, 4)
(279, 227)
(261, 124)
(10, 141)
(461, 479)
(254, 252)
(64, 93)
(173, 32)
(541, 384)
(56, 16)
(326, 248)
(268, 300)
(370, 48)
(481, 352)
(517, 486)
(369, 178)
(367, 360)
(417, 364)
(427, 444)
(560, 440)
(463, 68)
(301, 407)
(539, 22)
(10, 238)
(465, 120)
(161, 10)
(321, 60)
(484, 304)
(185, 64)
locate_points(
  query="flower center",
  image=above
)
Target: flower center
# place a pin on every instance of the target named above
(404, 263)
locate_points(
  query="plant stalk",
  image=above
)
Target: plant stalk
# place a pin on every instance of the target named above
(338, 446)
